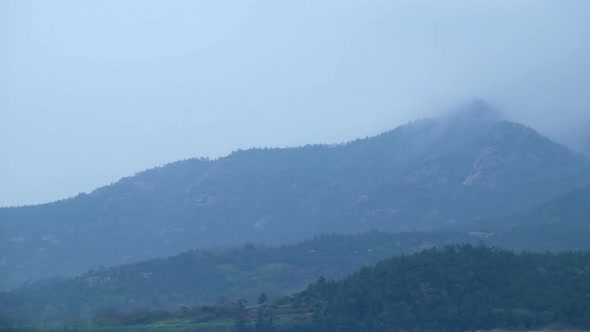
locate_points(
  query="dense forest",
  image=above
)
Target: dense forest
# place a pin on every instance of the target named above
(208, 276)
(456, 288)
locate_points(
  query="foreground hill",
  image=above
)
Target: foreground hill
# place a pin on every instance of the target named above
(427, 175)
(456, 289)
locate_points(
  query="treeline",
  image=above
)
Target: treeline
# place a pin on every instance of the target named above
(459, 288)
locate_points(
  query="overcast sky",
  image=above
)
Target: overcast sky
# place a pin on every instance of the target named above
(91, 91)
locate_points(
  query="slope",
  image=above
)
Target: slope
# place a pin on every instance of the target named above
(461, 288)
(206, 276)
(561, 223)
(427, 175)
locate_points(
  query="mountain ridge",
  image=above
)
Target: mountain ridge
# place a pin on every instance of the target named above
(427, 175)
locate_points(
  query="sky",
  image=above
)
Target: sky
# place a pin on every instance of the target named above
(92, 91)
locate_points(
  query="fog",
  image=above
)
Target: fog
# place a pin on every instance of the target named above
(94, 91)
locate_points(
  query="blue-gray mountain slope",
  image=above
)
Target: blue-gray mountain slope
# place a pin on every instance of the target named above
(427, 175)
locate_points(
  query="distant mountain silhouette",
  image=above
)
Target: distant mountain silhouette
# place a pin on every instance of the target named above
(430, 174)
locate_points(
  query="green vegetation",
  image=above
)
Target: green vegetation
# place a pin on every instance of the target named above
(228, 316)
(458, 288)
(206, 276)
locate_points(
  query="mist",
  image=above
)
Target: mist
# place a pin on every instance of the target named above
(94, 91)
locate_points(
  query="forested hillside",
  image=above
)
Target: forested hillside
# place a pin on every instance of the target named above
(427, 175)
(457, 288)
(208, 276)
(461, 288)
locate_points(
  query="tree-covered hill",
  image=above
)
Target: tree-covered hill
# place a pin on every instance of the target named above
(457, 288)
(462, 288)
(427, 175)
(206, 276)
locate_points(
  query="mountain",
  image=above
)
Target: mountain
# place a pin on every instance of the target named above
(430, 174)
(561, 223)
(462, 288)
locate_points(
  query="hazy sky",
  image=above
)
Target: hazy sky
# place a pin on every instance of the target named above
(91, 91)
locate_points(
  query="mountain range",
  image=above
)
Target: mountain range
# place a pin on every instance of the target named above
(454, 172)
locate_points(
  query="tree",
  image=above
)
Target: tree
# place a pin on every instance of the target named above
(241, 317)
(264, 319)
